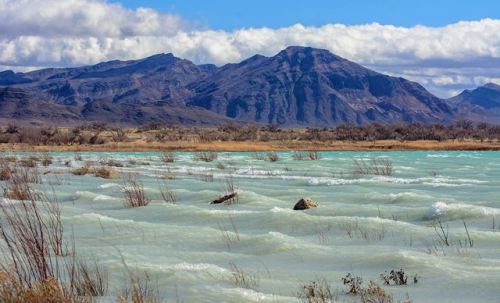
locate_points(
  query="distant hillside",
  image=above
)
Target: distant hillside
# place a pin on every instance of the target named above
(480, 104)
(300, 86)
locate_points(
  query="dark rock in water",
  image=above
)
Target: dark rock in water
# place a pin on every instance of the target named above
(305, 203)
(226, 198)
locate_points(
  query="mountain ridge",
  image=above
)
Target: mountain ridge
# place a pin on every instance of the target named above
(298, 87)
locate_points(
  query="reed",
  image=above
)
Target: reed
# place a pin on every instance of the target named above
(134, 193)
(167, 157)
(37, 269)
(374, 166)
(167, 194)
(208, 156)
(243, 279)
(272, 157)
(318, 291)
(139, 289)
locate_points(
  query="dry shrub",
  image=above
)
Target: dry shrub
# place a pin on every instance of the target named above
(5, 160)
(205, 156)
(316, 292)
(259, 156)
(46, 159)
(298, 156)
(354, 284)
(36, 269)
(243, 279)
(111, 162)
(87, 280)
(134, 193)
(18, 186)
(82, 171)
(314, 155)
(168, 157)
(272, 157)
(105, 173)
(374, 166)
(28, 162)
(47, 291)
(139, 289)
(375, 294)
(5, 173)
(168, 195)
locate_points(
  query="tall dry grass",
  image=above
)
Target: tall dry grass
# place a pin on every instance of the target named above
(134, 193)
(37, 267)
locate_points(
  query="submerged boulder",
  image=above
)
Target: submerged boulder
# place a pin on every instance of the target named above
(305, 203)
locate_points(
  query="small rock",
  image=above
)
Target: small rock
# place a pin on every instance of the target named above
(305, 203)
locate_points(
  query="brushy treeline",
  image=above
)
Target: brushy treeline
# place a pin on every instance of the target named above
(100, 133)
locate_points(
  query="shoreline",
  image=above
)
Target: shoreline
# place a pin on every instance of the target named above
(250, 146)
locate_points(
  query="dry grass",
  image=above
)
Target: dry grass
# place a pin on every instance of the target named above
(46, 159)
(134, 193)
(206, 156)
(81, 171)
(272, 156)
(316, 292)
(105, 173)
(5, 172)
(167, 194)
(139, 289)
(243, 279)
(168, 157)
(36, 268)
(88, 279)
(374, 166)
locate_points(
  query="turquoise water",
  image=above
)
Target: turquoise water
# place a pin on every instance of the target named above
(364, 224)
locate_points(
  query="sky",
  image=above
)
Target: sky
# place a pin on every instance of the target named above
(445, 45)
(235, 14)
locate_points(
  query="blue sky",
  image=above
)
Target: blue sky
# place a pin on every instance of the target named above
(234, 14)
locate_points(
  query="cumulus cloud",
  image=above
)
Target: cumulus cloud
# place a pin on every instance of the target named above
(74, 32)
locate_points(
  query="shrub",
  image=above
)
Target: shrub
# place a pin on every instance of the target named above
(133, 189)
(205, 156)
(139, 289)
(298, 156)
(82, 171)
(354, 284)
(316, 292)
(36, 270)
(375, 166)
(272, 157)
(105, 173)
(46, 160)
(167, 157)
(243, 279)
(314, 155)
(168, 195)
(5, 173)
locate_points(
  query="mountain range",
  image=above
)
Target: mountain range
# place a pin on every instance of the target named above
(298, 87)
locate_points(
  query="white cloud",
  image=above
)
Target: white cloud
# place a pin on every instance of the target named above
(74, 32)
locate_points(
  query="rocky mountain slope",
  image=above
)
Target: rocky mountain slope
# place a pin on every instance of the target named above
(299, 86)
(480, 104)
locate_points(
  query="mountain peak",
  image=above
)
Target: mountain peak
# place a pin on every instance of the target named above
(307, 51)
(492, 85)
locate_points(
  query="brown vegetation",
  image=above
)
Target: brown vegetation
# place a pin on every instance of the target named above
(461, 135)
(36, 269)
(134, 193)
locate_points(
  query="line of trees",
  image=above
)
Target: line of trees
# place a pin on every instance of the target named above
(99, 133)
